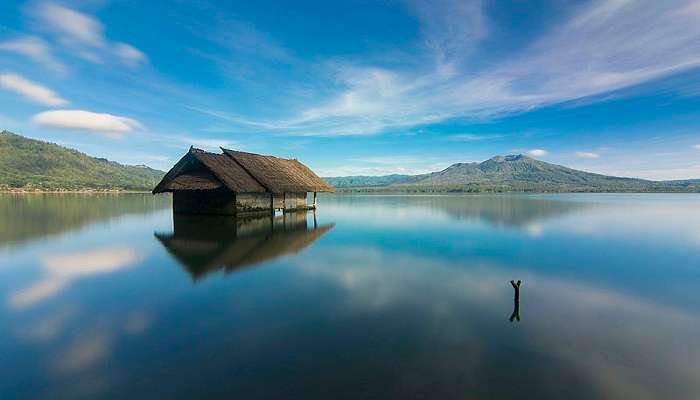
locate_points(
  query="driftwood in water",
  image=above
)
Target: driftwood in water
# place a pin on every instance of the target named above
(516, 302)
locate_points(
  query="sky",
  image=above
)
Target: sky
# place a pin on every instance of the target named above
(361, 87)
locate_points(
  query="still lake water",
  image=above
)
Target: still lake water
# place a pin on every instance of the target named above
(108, 296)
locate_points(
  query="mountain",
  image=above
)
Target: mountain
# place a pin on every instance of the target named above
(513, 173)
(32, 164)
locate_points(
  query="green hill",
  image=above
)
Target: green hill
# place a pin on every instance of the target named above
(513, 173)
(35, 165)
(366, 181)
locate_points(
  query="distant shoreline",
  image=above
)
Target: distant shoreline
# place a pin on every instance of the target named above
(419, 190)
(69, 191)
(370, 191)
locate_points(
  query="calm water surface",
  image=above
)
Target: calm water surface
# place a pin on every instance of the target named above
(109, 296)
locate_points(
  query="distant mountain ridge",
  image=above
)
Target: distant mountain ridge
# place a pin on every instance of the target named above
(29, 164)
(512, 173)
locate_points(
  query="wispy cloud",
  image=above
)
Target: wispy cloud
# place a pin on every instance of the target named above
(83, 34)
(587, 154)
(245, 38)
(129, 54)
(35, 49)
(71, 25)
(697, 147)
(618, 44)
(537, 152)
(451, 28)
(31, 90)
(688, 171)
(101, 123)
(388, 165)
(472, 137)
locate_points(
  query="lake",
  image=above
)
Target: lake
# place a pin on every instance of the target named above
(387, 297)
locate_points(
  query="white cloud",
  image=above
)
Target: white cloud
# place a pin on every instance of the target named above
(84, 34)
(587, 154)
(538, 152)
(111, 125)
(35, 49)
(697, 146)
(618, 45)
(31, 90)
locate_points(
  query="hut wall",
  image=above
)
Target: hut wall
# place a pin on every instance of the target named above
(289, 201)
(253, 202)
(225, 202)
(219, 202)
(295, 200)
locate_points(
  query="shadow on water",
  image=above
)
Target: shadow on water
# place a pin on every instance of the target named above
(32, 216)
(204, 244)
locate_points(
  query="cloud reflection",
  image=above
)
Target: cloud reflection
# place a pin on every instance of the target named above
(61, 270)
(49, 327)
(86, 351)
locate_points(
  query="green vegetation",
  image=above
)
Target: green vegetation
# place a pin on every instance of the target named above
(514, 173)
(29, 164)
(366, 181)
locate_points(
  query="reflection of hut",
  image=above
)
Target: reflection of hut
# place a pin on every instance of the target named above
(232, 243)
(235, 183)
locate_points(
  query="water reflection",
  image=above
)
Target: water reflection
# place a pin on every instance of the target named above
(579, 342)
(403, 300)
(25, 217)
(203, 244)
(525, 212)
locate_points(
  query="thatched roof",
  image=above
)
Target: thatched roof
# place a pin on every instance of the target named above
(229, 172)
(203, 180)
(280, 175)
(230, 244)
(240, 172)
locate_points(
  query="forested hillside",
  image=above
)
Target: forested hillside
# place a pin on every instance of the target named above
(35, 165)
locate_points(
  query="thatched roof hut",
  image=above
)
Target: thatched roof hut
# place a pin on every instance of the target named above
(239, 182)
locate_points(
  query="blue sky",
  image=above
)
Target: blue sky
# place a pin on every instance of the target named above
(361, 87)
